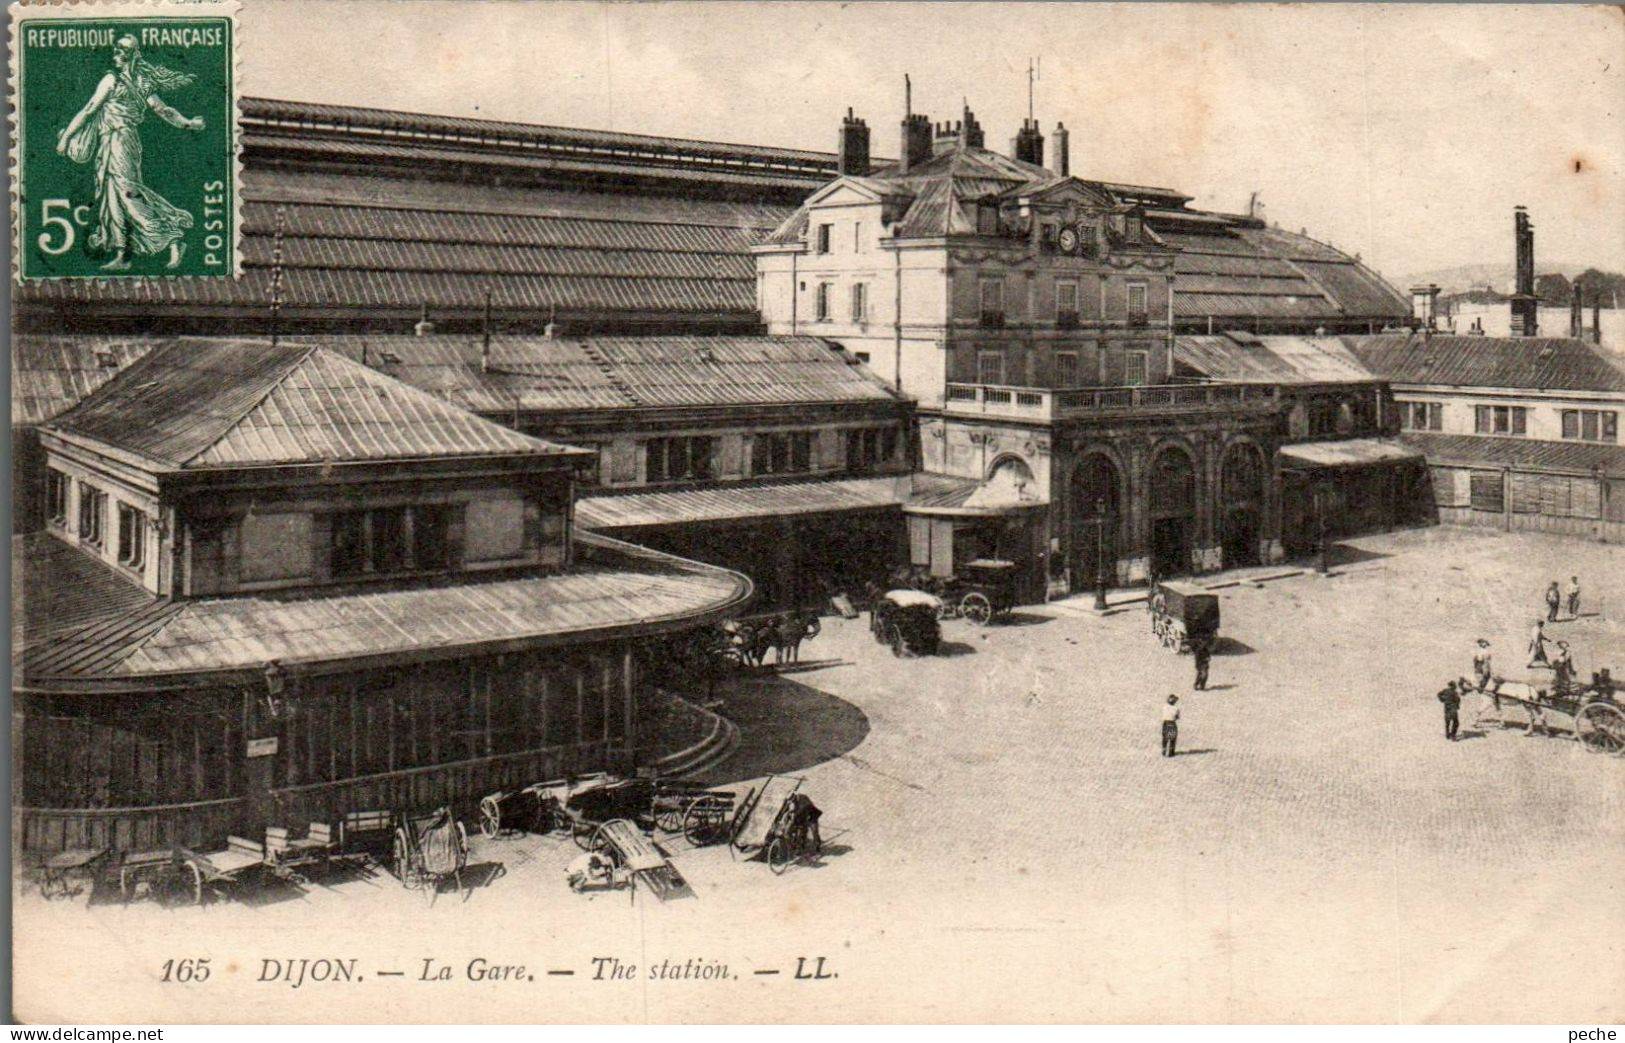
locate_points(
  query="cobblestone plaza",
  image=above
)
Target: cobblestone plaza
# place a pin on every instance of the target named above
(998, 821)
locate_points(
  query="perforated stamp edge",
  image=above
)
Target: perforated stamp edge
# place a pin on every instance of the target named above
(57, 10)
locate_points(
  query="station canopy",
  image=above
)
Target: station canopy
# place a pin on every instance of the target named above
(1351, 452)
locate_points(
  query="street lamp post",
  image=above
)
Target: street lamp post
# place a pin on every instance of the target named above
(1100, 554)
(1320, 523)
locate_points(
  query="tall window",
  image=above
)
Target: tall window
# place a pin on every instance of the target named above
(1591, 425)
(132, 536)
(782, 452)
(990, 367)
(860, 302)
(987, 219)
(389, 540)
(992, 302)
(1501, 420)
(823, 239)
(857, 237)
(869, 447)
(92, 514)
(1066, 369)
(1066, 304)
(680, 459)
(822, 311)
(56, 498)
(1138, 312)
(1135, 366)
(1421, 416)
(1087, 241)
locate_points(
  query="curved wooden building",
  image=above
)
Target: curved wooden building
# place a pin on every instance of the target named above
(275, 586)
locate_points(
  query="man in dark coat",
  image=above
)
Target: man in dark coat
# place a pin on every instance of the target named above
(1553, 600)
(1450, 696)
(1203, 651)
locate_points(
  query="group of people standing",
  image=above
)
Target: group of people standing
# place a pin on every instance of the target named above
(1561, 663)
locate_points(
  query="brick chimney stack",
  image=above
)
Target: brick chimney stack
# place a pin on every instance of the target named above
(1577, 318)
(916, 133)
(970, 132)
(1063, 151)
(1525, 305)
(853, 151)
(1028, 144)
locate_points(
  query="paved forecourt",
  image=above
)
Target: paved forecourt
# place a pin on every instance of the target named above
(1007, 842)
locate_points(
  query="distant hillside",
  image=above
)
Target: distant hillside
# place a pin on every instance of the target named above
(1498, 277)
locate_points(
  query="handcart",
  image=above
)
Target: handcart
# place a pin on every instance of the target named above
(238, 863)
(778, 822)
(1184, 615)
(537, 808)
(287, 856)
(701, 815)
(637, 855)
(428, 849)
(56, 872)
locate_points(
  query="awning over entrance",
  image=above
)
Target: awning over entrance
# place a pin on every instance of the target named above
(1009, 490)
(720, 504)
(1352, 452)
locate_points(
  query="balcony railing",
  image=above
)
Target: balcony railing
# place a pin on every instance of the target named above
(1060, 403)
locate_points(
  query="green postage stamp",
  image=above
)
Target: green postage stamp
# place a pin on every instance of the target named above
(125, 147)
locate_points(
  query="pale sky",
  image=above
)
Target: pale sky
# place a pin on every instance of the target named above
(1405, 133)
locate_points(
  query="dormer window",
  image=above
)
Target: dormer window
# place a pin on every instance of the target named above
(987, 218)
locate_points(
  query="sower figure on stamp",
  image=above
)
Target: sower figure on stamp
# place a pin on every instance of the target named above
(129, 215)
(1450, 697)
(1170, 725)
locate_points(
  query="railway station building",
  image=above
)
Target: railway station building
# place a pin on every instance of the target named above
(273, 586)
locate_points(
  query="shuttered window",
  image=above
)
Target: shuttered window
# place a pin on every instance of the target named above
(1487, 492)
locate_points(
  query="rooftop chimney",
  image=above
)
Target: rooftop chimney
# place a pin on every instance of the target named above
(1525, 305)
(1577, 318)
(1425, 306)
(916, 133)
(1028, 144)
(970, 132)
(424, 327)
(1063, 151)
(853, 151)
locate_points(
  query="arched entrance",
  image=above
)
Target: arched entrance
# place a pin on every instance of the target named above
(1173, 512)
(1242, 481)
(1094, 507)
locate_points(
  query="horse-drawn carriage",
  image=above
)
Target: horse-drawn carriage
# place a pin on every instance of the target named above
(982, 590)
(1593, 713)
(777, 822)
(1183, 615)
(747, 642)
(906, 620)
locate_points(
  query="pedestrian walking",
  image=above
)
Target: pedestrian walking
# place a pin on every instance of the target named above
(1562, 667)
(1481, 665)
(1203, 653)
(1170, 725)
(1553, 600)
(1450, 696)
(1537, 645)
(1574, 597)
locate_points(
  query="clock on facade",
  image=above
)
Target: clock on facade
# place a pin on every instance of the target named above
(1067, 240)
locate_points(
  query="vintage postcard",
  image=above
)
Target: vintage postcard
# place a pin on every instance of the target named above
(125, 152)
(748, 512)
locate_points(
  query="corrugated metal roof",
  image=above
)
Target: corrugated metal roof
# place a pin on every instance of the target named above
(199, 403)
(538, 374)
(1541, 363)
(626, 587)
(734, 503)
(1270, 359)
(1247, 305)
(1351, 452)
(51, 374)
(56, 588)
(1581, 458)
